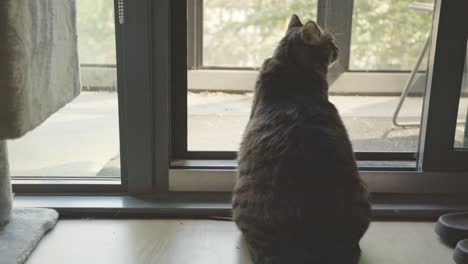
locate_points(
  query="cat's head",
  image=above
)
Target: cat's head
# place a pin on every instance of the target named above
(307, 46)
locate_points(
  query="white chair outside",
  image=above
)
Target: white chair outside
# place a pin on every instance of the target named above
(423, 7)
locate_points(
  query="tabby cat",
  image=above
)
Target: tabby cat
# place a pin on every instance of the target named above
(298, 196)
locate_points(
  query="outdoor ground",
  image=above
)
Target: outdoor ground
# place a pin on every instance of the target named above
(82, 139)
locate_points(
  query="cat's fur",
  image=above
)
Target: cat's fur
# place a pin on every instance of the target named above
(298, 196)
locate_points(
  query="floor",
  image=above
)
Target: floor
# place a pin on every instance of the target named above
(214, 242)
(82, 139)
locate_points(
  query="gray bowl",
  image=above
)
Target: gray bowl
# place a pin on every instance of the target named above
(461, 252)
(452, 227)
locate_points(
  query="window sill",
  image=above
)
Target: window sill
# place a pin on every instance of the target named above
(211, 206)
(67, 185)
(193, 176)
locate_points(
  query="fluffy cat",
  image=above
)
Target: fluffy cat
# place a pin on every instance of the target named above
(298, 196)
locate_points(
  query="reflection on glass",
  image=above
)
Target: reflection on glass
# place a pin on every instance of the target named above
(81, 139)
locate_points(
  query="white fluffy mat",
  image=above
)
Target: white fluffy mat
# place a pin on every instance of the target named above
(21, 235)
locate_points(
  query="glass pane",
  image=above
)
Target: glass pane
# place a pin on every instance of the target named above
(219, 101)
(82, 138)
(388, 34)
(461, 132)
(253, 27)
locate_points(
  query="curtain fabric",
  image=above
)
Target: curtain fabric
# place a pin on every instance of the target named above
(39, 68)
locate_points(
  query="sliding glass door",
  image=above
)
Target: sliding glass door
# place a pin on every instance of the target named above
(95, 142)
(397, 84)
(164, 110)
(383, 54)
(82, 139)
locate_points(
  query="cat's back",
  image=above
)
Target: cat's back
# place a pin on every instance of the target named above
(296, 156)
(294, 130)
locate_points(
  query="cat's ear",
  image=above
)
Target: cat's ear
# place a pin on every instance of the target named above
(311, 33)
(294, 21)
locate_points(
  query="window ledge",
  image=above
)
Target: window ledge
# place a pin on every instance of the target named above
(211, 206)
(195, 179)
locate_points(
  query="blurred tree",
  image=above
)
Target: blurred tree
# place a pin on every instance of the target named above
(96, 31)
(244, 33)
(386, 34)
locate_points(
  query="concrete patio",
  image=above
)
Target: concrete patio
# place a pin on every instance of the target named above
(83, 138)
